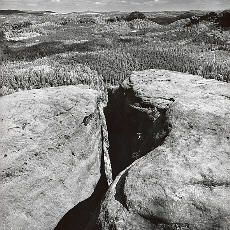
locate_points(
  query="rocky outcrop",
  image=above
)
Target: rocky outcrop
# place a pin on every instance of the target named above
(51, 145)
(183, 181)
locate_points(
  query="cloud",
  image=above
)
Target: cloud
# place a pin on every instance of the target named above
(99, 3)
(123, 1)
(32, 4)
(55, 0)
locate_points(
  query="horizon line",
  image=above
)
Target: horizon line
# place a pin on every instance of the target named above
(112, 11)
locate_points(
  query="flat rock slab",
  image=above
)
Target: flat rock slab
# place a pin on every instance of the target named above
(185, 182)
(50, 154)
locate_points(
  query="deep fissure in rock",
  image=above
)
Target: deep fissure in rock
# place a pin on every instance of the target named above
(85, 214)
(134, 128)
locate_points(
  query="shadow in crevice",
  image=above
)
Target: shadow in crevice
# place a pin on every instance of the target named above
(85, 214)
(134, 128)
(119, 195)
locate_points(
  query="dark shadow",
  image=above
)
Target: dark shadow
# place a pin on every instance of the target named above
(119, 195)
(85, 214)
(134, 128)
(44, 49)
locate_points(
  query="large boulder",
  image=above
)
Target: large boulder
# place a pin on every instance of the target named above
(51, 153)
(184, 181)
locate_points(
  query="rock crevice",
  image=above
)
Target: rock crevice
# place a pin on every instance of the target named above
(135, 127)
(160, 147)
(181, 180)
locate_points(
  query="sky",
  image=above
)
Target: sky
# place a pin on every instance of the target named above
(114, 5)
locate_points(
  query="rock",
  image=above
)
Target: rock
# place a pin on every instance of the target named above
(184, 182)
(51, 150)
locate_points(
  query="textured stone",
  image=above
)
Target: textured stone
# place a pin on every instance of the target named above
(50, 154)
(184, 183)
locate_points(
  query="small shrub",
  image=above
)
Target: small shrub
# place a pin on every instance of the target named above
(21, 25)
(64, 22)
(2, 35)
(87, 20)
(5, 91)
(116, 19)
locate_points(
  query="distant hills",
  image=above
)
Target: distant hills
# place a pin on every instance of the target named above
(222, 18)
(9, 12)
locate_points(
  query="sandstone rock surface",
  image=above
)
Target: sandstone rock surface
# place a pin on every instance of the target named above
(50, 154)
(183, 183)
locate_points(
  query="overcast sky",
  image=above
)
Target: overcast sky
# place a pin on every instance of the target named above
(114, 5)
